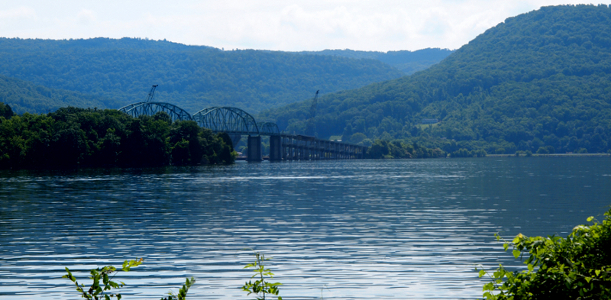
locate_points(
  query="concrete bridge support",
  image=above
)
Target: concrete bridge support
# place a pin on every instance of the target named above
(275, 148)
(254, 149)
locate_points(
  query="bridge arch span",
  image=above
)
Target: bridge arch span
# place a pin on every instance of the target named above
(268, 128)
(151, 108)
(231, 120)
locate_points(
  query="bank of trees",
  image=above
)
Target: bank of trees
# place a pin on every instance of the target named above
(398, 149)
(72, 137)
(6, 111)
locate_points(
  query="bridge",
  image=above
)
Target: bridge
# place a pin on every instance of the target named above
(237, 123)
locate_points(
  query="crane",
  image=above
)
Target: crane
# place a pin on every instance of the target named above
(149, 98)
(311, 127)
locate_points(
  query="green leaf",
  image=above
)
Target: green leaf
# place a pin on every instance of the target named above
(597, 272)
(482, 273)
(516, 253)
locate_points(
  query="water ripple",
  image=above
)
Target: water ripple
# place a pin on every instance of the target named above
(409, 229)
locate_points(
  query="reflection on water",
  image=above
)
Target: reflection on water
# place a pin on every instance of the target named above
(409, 229)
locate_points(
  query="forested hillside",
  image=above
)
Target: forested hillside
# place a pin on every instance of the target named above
(24, 96)
(540, 81)
(409, 62)
(193, 77)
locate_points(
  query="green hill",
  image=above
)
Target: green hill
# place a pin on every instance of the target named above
(540, 81)
(193, 77)
(409, 62)
(23, 96)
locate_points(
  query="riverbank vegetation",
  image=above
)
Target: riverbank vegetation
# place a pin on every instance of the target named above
(75, 137)
(576, 267)
(398, 149)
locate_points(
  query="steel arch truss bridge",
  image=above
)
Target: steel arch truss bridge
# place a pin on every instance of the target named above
(151, 108)
(237, 122)
(227, 119)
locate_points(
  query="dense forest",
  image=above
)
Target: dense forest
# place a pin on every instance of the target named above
(409, 62)
(76, 137)
(192, 77)
(538, 82)
(24, 96)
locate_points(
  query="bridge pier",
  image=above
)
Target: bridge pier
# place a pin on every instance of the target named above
(254, 149)
(275, 148)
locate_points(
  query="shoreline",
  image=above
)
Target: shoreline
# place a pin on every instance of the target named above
(551, 155)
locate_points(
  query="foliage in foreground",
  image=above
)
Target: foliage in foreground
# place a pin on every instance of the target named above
(104, 291)
(576, 267)
(96, 291)
(261, 287)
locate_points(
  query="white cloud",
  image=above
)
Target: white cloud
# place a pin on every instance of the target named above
(277, 25)
(86, 17)
(21, 12)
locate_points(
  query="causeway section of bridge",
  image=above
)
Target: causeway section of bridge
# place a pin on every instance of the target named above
(302, 147)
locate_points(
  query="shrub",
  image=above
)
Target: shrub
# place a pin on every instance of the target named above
(576, 267)
(261, 287)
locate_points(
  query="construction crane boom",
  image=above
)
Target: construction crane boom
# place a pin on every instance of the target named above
(149, 98)
(311, 127)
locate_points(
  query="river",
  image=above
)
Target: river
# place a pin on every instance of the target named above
(359, 229)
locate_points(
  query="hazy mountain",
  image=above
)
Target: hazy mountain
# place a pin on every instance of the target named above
(409, 62)
(193, 77)
(540, 80)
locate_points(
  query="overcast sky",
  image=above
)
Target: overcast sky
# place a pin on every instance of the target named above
(379, 25)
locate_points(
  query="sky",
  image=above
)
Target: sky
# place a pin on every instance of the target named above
(380, 25)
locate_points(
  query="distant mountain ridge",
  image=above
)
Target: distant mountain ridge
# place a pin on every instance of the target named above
(408, 62)
(24, 96)
(540, 81)
(193, 77)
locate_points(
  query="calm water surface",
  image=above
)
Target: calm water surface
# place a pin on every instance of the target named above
(403, 229)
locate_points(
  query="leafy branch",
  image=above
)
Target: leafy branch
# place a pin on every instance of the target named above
(261, 287)
(97, 291)
(106, 274)
(576, 267)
